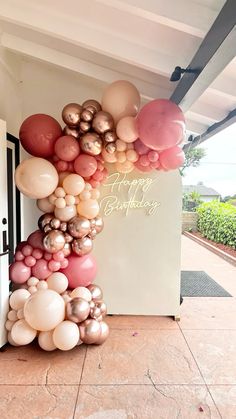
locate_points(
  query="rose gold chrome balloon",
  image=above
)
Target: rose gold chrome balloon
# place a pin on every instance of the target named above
(99, 224)
(71, 131)
(102, 122)
(54, 241)
(92, 304)
(82, 246)
(67, 249)
(71, 114)
(68, 238)
(96, 292)
(93, 104)
(84, 126)
(55, 223)
(79, 227)
(91, 143)
(86, 115)
(110, 137)
(44, 220)
(95, 312)
(104, 333)
(92, 234)
(90, 331)
(63, 226)
(47, 228)
(102, 307)
(92, 223)
(77, 310)
(110, 148)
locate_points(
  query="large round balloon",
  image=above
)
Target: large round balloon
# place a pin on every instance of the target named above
(81, 271)
(161, 124)
(172, 158)
(67, 148)
(36, 178)
(121, 99)
(38, 134)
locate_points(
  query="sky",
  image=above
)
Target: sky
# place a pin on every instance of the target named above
(218, 168)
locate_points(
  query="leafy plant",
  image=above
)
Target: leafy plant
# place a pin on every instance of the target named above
(193, 157)
(191, 201)
(217, 222)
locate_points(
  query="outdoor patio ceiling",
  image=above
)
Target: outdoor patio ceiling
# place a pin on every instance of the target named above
(141, 41)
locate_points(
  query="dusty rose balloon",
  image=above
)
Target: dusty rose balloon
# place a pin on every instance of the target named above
(77, 310)
(79, 227)
(82, 246)
(40, 269)
(104, 333)
(73, 184)
(45, 341)
(67, 148)
(172, 158)
(81, 292)
(91, 103)
(44, 310)
(38, 134)
(88, 209)
(36, 178)
(18, 299)
(121, 99)
(65, 214)
(35, 239)
(66, 335)
(54, 241)
(85, 165)
(19, 272)
(102, 122)
(71, 114)
(80, 271)
(22, 333)
(71, 131)
(90, 331)
(91, 143)
(127, 129)
(96, 292)
(44, 205)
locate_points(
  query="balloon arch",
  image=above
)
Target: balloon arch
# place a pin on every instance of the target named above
(54, 298)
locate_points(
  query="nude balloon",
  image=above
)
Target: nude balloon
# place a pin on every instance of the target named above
(127, 129)
(66, 335)
(57, 282)
(44, 205)
(81, 271)
(22, 333)
(36, 178)
(65, 214)
(45, 341)
(88, 209)
(73, 184)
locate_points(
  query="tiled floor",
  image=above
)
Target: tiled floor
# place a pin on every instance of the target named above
(165, 370)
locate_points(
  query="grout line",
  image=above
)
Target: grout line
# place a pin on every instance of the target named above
(77, 396)
(200, 372)
(120, 385)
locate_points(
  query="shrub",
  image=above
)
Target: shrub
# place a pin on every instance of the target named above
(217, 222)
(191, 201)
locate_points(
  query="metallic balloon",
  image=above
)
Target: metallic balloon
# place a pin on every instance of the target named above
(92, 223)
(93, 104)
(86, 115)
(77, 310)
(71, 114)
(63, 226)
(82, 246)
(91, 143)
(92, 234)
(47, 228)
(102, 306)
(90, 331)
(71, 131)
(44, 220)
(92, 304)
(91, 109)
(68, 237)
(110, 137)
(79, 227)
(67, 249)
(55, 223)
(54, 241)
(95, 312)
(99, 224)
(84, 126)
(110, 148)
(102, 122)
(104, 333)
(96, 292)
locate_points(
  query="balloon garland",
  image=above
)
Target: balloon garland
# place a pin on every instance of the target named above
(54, 298)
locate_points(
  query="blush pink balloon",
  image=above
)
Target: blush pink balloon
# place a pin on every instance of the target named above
(19, 272)
(53, 265)
(85, 165)
(35, 239)
(140, 147)
(144, 169)
(19, 256)
(40, 269)
(67, 148)
(161, 124)
(172, 158)
(37, 253)
(30, 261)
(81, 271)
(127, 129)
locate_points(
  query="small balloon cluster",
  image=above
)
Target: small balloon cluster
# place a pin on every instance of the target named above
(54, 268)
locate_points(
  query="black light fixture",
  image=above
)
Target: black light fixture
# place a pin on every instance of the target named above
(178, 71)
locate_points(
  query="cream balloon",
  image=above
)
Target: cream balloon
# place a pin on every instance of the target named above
(62, 176)
(81, 292)
(36, 177)
(45, 341)
(44, 310)
(66, 335)
(65, 214)
(127, 130)
(73, 184)
(10, 340)
(18, 298)
(57, 282)
(88, 209)
(22, 333)
(44, 205)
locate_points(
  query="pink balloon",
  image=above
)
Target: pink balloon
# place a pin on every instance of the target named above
(172, 158)
(153, 156)
(27, 250)
(21, 245)
(81, 271)
(140, 147)
(144, 161)
(37, 253)
(38, 134)
(35, 239)
(61, 166)
(64, 263)
(85, 165)
(40, 269)
(19, 272)
(59, 256)
(19, 256)
(47, 256)
(161, 124)
(144, 169)
(30, 261)
(53, 265)
(67, 148)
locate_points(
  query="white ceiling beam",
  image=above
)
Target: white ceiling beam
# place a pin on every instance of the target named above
(201, 118)
(195, 126)
(148, 91)
(171, 13)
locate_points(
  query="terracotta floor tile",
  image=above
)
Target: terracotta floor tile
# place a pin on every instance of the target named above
(215, 354)
(128, 359)
(30, 365)
(28, 402)
(225, 399)
(145, 402)
(208, 313)
(141, 322)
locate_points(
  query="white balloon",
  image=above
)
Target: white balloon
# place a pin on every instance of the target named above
(66, 335)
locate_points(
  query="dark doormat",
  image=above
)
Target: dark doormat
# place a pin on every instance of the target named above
(199, 284)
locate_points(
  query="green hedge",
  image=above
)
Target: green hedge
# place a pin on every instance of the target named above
(217, 222)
